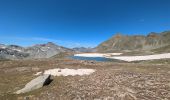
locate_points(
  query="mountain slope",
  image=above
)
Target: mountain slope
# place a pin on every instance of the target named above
(45, 50)
(36, 51)
(137, 42)
(83, 49)
(12, 52)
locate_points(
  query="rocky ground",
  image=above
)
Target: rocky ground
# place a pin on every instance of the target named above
(111, 81)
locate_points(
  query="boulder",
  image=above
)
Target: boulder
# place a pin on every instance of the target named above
(36, 83)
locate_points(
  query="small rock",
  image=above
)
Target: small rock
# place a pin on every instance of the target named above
(59, 70)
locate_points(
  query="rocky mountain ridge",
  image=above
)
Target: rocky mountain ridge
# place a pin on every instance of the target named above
(83, 49)
(36, 51)
(121, 42)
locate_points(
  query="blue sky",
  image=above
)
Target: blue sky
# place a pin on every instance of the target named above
(75, 23)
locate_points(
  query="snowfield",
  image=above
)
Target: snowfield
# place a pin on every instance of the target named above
(97, 54)
(3, 47)
(17, 50)
(67, 72)
(140, 58)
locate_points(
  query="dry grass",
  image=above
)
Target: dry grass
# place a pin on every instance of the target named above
(125, 81)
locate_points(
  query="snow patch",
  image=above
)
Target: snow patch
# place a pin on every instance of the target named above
(3, 47)
(17, 50)
(43, 50)
(140, 58)
(67, 72)
(97, 54)
(38, 73)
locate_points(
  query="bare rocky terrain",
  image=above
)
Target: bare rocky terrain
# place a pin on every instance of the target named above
(111, 81)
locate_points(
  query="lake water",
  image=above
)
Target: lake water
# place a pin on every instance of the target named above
(101, 59)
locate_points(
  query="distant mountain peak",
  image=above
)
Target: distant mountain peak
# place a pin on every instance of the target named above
(46, 44)
(153, 35)
(84, 49)
(118, 35)
(50, 43)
